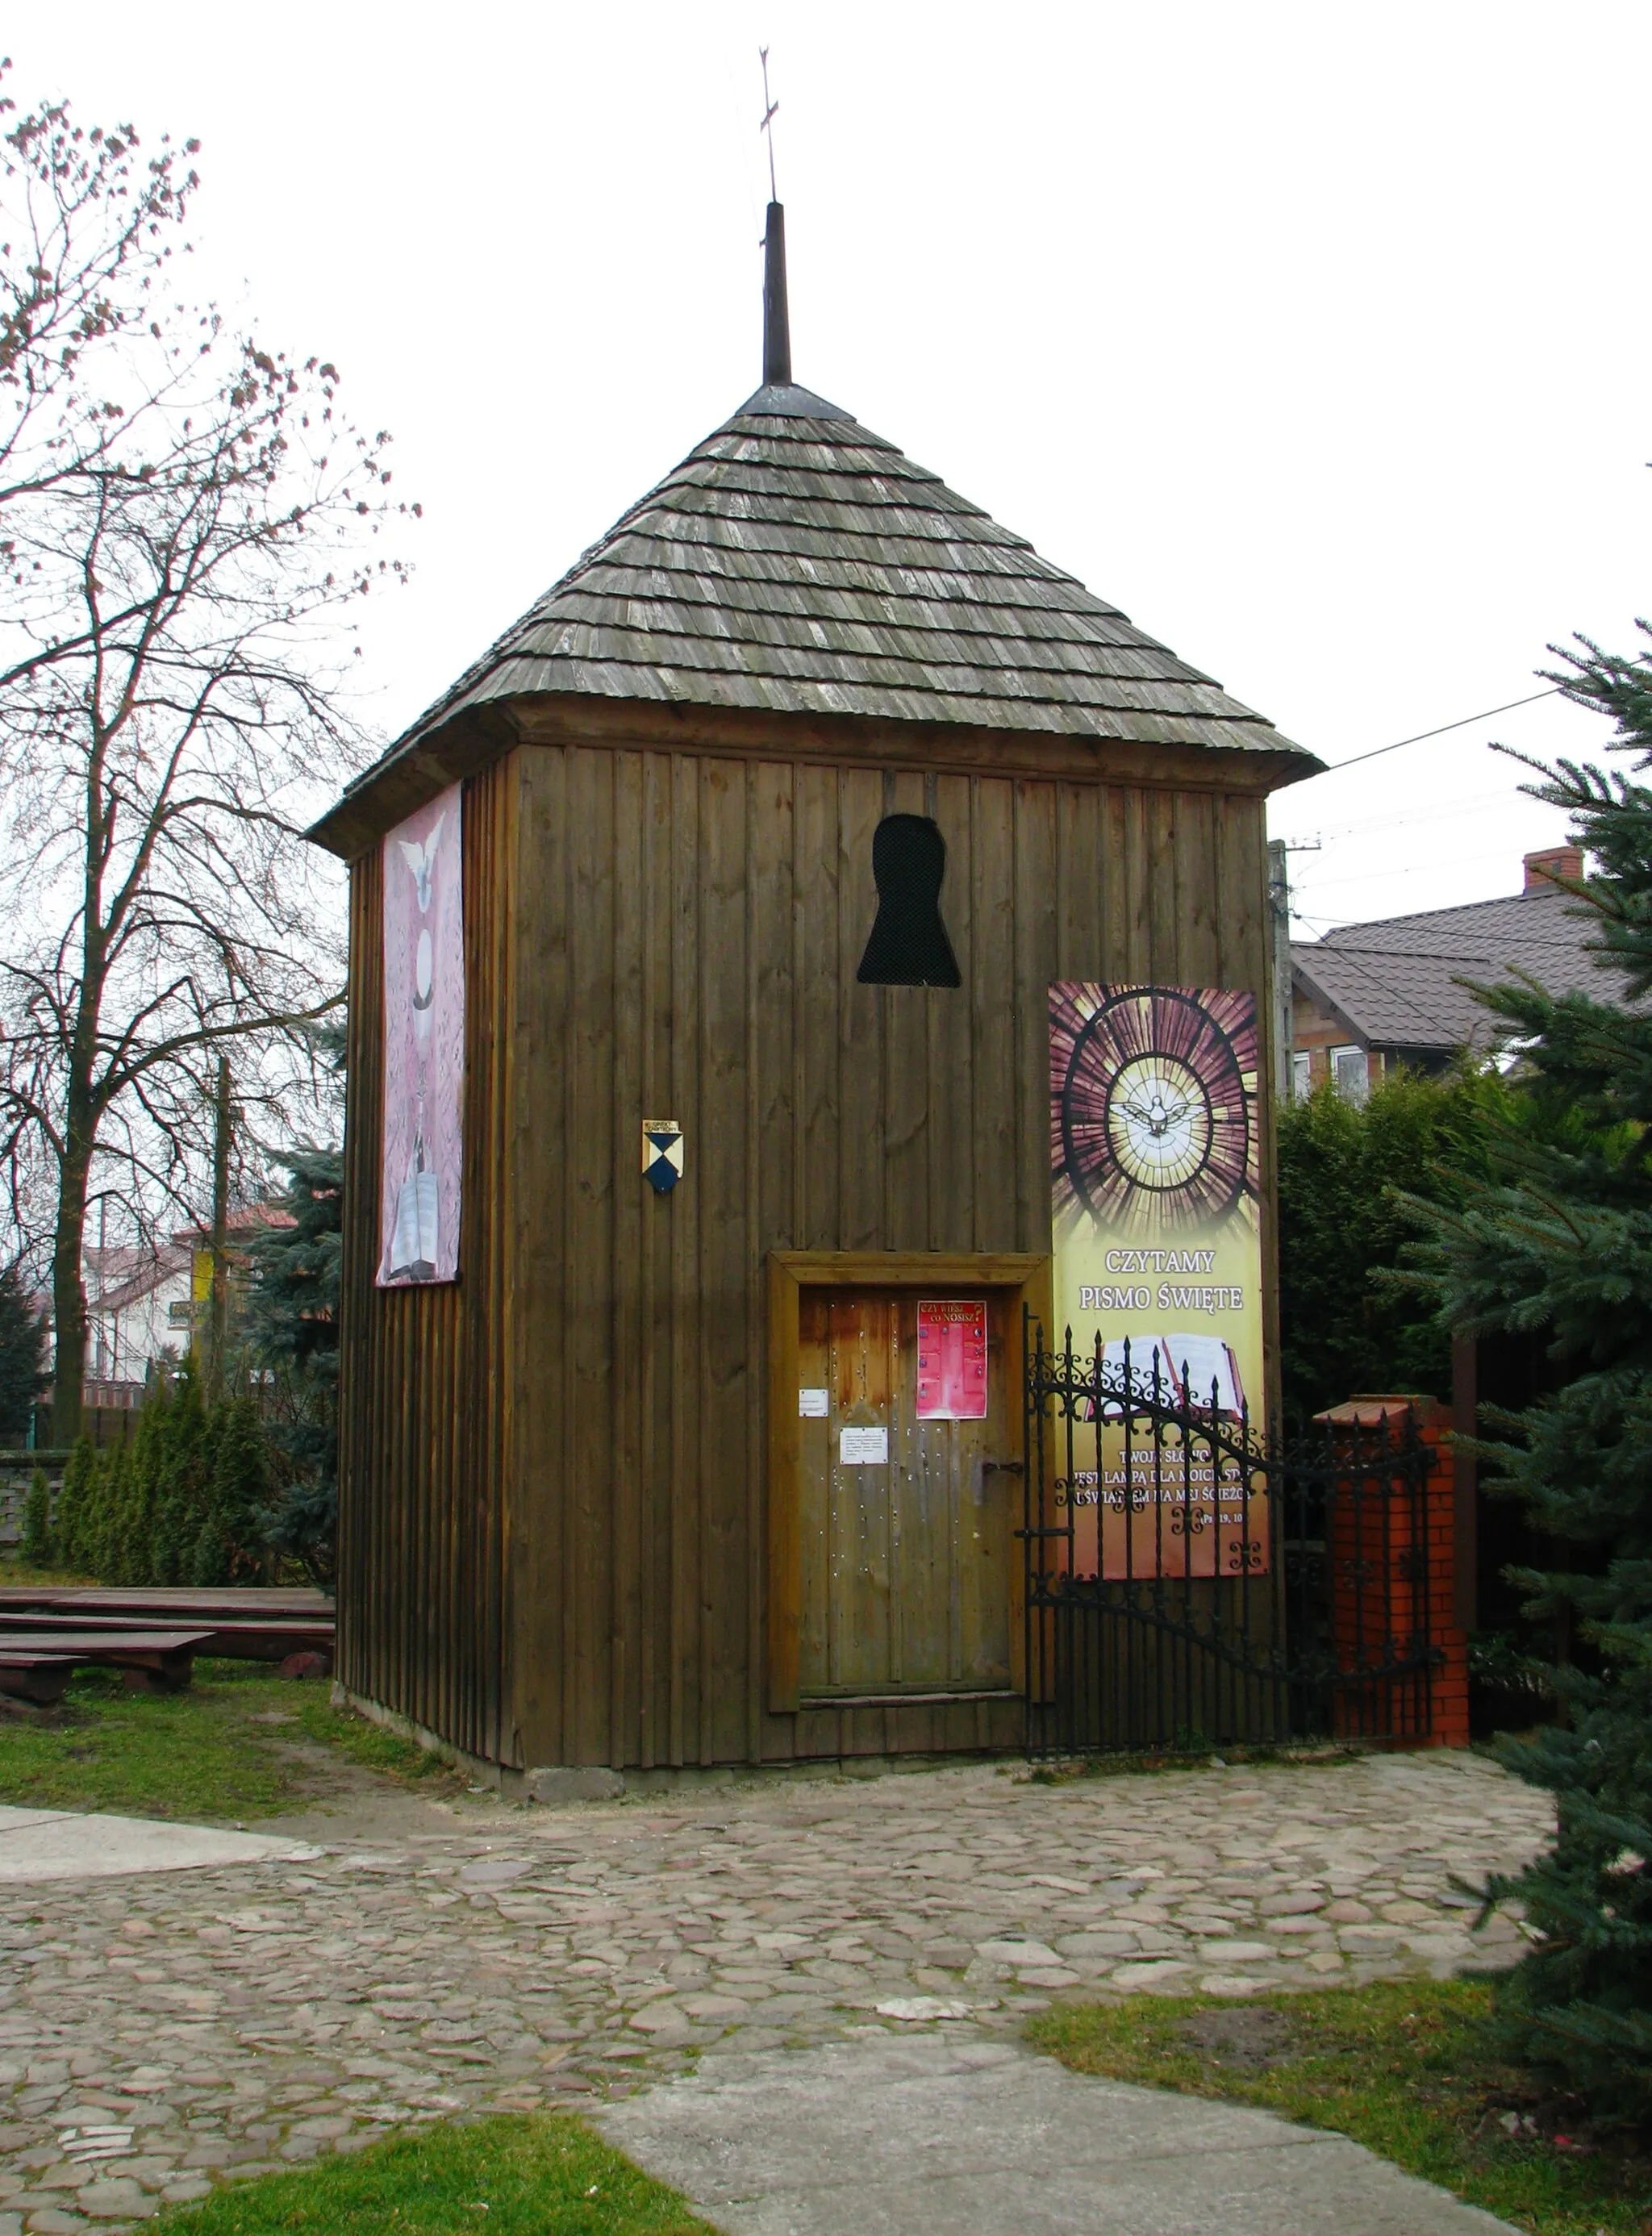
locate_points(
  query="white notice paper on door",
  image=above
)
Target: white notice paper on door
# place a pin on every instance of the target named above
(863, 1447)
(811, 1405)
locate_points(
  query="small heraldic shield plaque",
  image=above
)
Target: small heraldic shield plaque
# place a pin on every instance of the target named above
(661, 1154)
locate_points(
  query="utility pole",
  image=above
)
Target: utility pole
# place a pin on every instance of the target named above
(1279, 909)
(220, 1339)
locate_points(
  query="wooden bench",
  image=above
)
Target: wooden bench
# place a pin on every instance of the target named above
(37, 1665)
(269, 1640)
(40, 1679)
(171, 1602)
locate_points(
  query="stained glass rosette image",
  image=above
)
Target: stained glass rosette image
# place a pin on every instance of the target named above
(1152, 1094)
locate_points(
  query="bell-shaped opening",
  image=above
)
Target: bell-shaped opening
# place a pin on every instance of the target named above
(909, 946)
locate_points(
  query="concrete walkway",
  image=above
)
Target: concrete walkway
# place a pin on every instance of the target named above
(881, 2137)
(62, 1843)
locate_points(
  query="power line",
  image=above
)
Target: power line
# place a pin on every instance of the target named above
(1398, 819)
(1411, 869)
(1377, 752)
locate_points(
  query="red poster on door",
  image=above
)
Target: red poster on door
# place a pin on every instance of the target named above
(952, 1360)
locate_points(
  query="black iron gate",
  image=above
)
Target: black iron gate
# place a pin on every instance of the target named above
(1190, 1585)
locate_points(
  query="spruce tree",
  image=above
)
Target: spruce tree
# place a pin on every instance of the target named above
(24, 1344)
(293, 1324)
(1559, 1240)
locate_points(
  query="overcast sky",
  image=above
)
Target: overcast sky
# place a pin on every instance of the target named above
(1315, 337)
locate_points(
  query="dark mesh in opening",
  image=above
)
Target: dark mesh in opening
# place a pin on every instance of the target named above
(909, 946)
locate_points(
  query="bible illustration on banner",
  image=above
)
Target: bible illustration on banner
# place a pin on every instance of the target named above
(1154, 1162)
(419, 1209)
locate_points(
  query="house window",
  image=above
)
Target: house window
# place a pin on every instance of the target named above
(1301, 1075)
(1352, 1072)
(908, 945)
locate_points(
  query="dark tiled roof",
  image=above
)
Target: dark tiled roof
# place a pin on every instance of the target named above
(799, 563)
(1393, 983)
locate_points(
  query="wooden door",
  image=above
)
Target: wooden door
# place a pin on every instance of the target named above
(906, 1559)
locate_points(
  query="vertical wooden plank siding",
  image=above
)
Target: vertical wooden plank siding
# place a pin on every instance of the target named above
(770, 1148)
(904, 1094)
(626, 1567)
(654, 1645)
(991, 993)
(728, 1364)
(684, 1304)
(949, 1101)
(540, 1365)
(424, 1372)
(858, 1224)
(1036, 914)
(660, 935)
(594, 1029)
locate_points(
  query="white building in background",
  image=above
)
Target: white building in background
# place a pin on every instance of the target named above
(137, 1307)
(142, 1305)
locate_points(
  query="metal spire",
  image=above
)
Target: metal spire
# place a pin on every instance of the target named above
(777, 325)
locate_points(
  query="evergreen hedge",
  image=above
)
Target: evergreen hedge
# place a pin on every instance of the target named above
(185, 1501)
(36, 1521)
(1344, 1328)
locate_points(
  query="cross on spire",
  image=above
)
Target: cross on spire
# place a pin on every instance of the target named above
(770, 110)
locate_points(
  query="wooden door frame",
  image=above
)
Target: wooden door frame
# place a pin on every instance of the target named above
(1023, 1276)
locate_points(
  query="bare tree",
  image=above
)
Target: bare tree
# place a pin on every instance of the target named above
(184, 516)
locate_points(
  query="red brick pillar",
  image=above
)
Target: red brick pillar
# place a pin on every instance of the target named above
(1393, 1576)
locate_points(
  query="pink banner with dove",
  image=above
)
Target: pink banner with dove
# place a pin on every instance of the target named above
(418, 1211)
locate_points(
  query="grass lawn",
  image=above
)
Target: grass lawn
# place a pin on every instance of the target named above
(1402, 2067)
(208, 1754)
(14, 1570)
(519, 2176)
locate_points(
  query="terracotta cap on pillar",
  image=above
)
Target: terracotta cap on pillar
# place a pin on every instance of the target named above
(1366, 1410)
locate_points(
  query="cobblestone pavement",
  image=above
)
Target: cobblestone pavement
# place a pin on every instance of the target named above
(159, 2034)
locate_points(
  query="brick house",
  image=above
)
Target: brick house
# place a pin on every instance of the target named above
(1370, 996)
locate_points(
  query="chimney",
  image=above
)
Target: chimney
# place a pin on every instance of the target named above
(1551, 862)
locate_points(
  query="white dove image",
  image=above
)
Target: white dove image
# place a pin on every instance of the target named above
(421, 860)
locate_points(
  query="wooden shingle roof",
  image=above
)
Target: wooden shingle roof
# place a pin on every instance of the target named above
(795, 562)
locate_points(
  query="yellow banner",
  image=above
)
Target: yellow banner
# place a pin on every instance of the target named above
(1155, 1166)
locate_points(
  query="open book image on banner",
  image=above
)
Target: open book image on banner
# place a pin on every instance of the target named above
(1155, 1166)
(1188, 1370)
(424, 1046)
